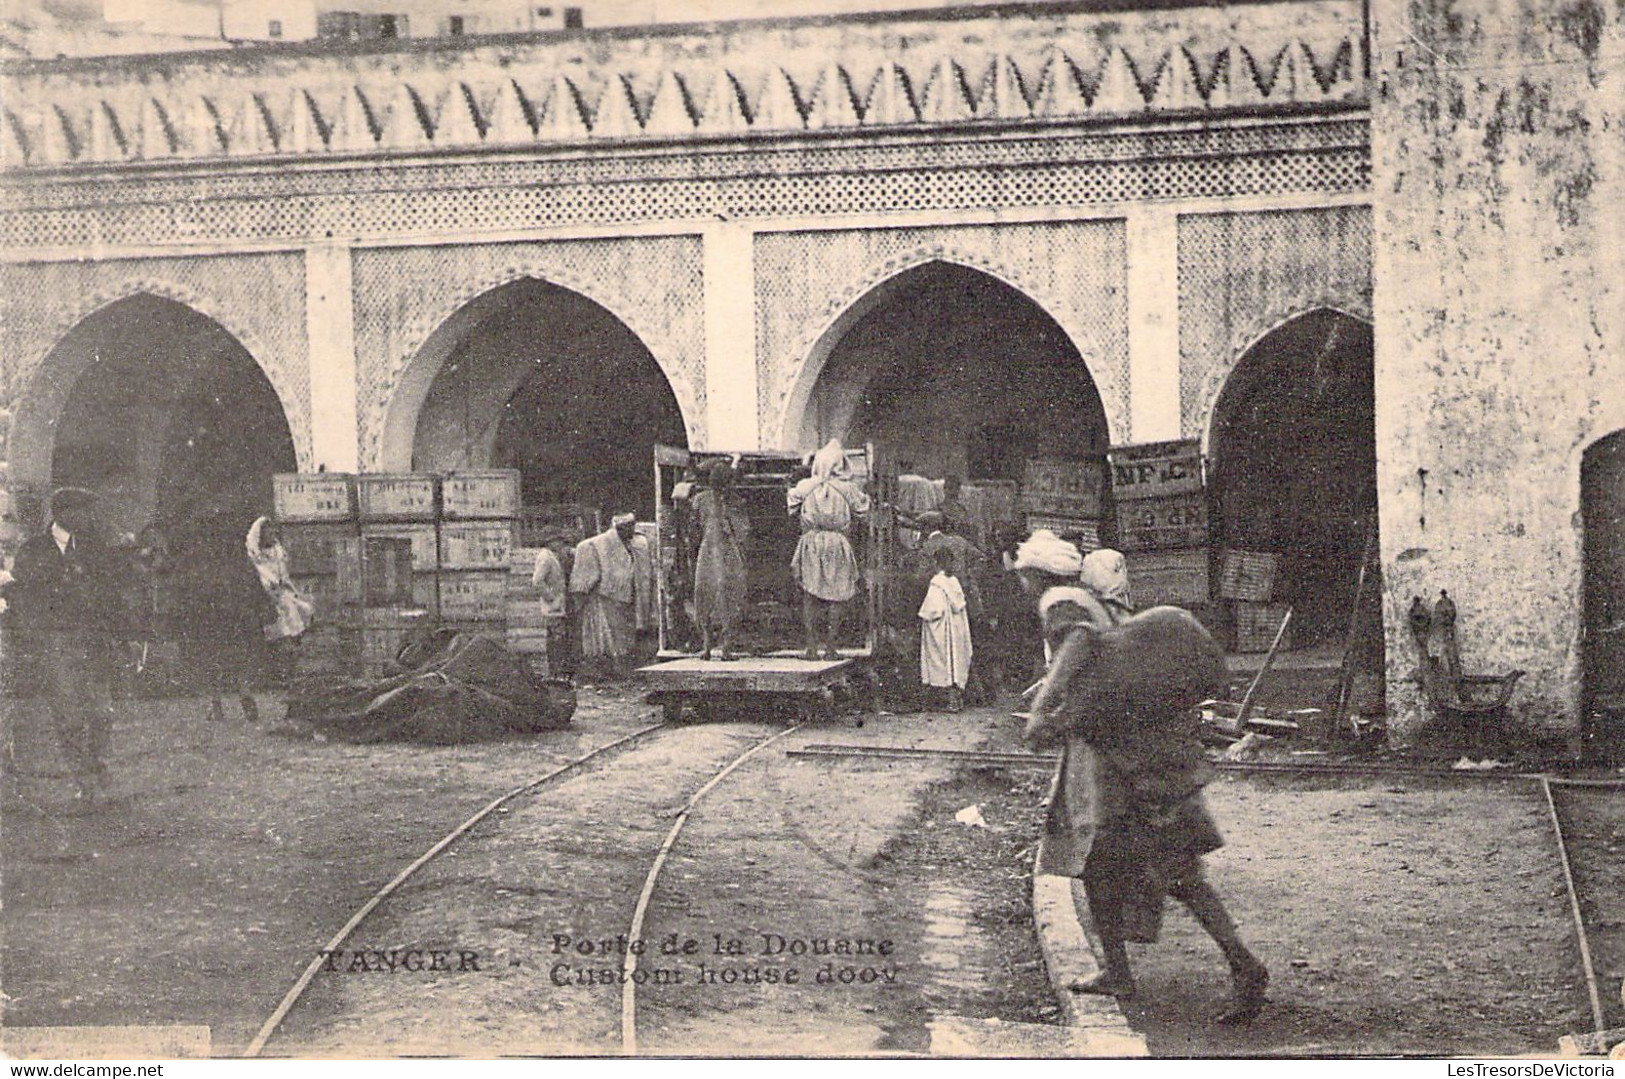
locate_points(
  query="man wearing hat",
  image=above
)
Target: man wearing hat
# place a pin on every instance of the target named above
(66, 603)
(613, 580)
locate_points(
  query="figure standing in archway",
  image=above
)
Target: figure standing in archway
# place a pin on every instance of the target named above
(614, 576)
(823, 564)
(720, 580)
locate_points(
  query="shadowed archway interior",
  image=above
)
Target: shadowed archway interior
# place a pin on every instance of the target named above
(552, 384)
(951, 371)
(1293, 469)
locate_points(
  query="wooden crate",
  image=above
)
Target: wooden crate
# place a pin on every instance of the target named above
(1178, 578)
(1156, 470)
(383, 631)
(1084, 533)
(320, 548)
(1060, 488)
(310, 497)
(396, 496)
(328, 651)
(472, 545)
(333, 595)
(387, 571)
(490, 494)
(1159, 524)
(1247, 575)
(425, 542)
(474, 595)
(1256, 625)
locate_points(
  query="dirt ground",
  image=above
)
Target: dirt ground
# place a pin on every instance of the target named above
(227, 856)
(1397, 916)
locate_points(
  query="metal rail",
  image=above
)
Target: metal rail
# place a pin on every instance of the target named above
(293, 994)
(629, 967)
(1574, 908)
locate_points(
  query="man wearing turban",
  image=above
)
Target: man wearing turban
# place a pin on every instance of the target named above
(824, 566)
(613, 578)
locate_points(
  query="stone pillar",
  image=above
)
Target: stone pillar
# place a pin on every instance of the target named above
(730, 339)
(330, 331)
(1153, 324)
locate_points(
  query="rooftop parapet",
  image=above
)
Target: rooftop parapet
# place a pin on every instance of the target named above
(1009, 65)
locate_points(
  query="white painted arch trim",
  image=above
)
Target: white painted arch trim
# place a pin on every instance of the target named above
(413, 373)
(1253, 334)
(45, 386)
(882, 281)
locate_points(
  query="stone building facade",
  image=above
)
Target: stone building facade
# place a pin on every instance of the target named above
(762, 216)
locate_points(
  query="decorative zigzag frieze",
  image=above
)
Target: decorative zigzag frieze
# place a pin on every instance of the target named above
(434, 108)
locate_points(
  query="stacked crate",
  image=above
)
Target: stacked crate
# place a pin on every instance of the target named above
(316, 514)
(1065, 497)
(478, 511)
(400, 556)
(1247, 581)
(1162, 522)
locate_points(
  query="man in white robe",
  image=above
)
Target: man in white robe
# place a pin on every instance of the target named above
(945, 642)
(613, 579)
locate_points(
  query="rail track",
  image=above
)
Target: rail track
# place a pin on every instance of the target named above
(629, 1042)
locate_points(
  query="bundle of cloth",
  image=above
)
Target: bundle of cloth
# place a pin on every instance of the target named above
(454, 688)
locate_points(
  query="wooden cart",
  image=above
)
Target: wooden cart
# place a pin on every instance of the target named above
(769, 668)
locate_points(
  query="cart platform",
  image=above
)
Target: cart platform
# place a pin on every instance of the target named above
(810, 683)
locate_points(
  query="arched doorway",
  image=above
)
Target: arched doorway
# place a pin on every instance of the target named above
(1292, 470)
(544, 380)
(167, 416)
(1602, 507)
(956, 373)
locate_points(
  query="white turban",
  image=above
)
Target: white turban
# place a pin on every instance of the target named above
(623, 519)
(1105, 573)
(1048, 553)
(830, 462)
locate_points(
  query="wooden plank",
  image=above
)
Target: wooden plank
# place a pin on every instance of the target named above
(1156, 469)
(753, 674)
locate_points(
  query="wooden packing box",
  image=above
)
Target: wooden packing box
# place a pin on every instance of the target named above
(1177, 578)
(476, 545)
(314, 498)
(474, 596)
(1083, 532)
(311, 497)
(425, 542)
(1247, 575)
(397, 496)
(489, 494)
(1156, 470)
(1256, 625)
(328, 591)
(321, 549)
(1061, 488)
(1160, 524)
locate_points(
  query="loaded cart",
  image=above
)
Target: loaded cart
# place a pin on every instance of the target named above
(768, 667)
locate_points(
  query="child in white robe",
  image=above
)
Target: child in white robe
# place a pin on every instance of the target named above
(945, 644)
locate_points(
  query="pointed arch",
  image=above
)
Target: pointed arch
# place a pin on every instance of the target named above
(883, 282)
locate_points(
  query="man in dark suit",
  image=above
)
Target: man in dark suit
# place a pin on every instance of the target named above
(66, 603)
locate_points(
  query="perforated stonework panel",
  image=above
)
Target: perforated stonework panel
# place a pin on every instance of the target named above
(1241, 275)
(402, 295)
(614, 186)
(259, 299)
(1075, 271)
